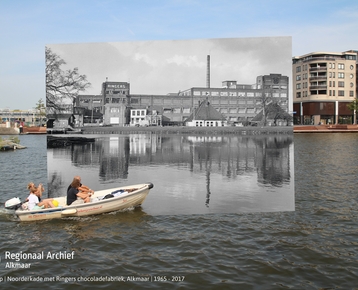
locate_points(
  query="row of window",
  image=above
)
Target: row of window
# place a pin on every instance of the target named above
(208, 123)
(219, 101)
(331, 65)
(115, 100)
(332, 93)
(94, 101)
(234, 94)
(323, 84)
(331, 75)
(138, 112)
(245, 110)
(117, 92)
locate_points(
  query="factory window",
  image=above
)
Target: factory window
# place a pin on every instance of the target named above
(186, 110)
(232, 110)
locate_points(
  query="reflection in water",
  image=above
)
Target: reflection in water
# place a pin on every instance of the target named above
(267, 158)
(226, 155)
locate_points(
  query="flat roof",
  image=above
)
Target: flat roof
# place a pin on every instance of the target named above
(324, 52)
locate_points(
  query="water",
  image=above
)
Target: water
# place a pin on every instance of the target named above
(313, 247)
(191, 174)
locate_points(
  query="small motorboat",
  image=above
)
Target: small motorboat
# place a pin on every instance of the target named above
(102, 201)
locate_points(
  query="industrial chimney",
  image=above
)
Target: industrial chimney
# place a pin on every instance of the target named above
(208, 72)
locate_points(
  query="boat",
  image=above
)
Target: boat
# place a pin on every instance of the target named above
(102, 201)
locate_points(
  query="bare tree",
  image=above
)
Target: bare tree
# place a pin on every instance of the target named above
(266, 97)
(61, 85)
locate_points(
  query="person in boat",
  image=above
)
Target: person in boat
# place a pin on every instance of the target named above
(33, 200)
(82, 188)
(38, 192)
(75, 195)
(39, 189)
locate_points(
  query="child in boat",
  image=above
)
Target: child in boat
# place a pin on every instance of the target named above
(39, 190)
(34, 202)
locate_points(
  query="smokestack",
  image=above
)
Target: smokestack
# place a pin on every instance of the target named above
(208, 71)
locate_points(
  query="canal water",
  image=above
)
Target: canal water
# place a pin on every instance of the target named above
(191, 174)
(253, 218)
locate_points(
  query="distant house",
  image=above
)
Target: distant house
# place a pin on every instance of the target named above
(145, 117)
(205, 116)
(275, 116)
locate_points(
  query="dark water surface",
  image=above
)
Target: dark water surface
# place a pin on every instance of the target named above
(191, 174)
(313, 247)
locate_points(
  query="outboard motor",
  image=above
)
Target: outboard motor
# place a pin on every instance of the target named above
(13, 204)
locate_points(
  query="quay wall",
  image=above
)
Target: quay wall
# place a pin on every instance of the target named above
(9, 131)
(189, 130)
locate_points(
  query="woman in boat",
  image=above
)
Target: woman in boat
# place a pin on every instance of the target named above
(82, 188)
(34, 202)
(75, 195)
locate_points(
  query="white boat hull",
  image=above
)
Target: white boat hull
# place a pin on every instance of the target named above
(98, 205)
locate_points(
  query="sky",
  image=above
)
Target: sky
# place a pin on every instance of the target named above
(169, 66)
(26, 27)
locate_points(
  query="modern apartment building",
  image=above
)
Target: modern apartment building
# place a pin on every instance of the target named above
(324, 83)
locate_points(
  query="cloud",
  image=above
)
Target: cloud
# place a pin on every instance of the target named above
(145, 58)
(185, 60)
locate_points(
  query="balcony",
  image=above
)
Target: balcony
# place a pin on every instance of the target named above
(318, 78)
(310, 59)
(321, 68)
(318, 87)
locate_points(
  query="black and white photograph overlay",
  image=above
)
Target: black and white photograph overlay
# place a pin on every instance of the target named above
(207, 121)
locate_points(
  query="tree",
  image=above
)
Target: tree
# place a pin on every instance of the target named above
(354, 107)
(41, 109)
(266, 97)
(61, 85)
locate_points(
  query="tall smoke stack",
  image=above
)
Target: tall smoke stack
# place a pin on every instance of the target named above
(208, 71)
